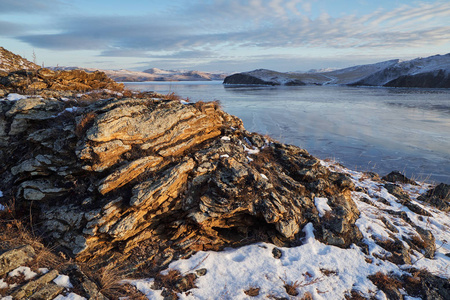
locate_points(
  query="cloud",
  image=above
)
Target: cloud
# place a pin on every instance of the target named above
(10, 29)
(28, 6)
(188, 32)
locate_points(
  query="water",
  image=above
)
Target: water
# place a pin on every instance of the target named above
(367, 129)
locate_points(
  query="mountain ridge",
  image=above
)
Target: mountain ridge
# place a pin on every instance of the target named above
(434, 70)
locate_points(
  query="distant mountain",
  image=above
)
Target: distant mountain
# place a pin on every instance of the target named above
(154, 74)
(429, 72)
(10, 62)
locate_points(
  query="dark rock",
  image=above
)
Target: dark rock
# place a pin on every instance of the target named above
(435, 79)
(277, 253)
(201, 272)
(246, 79)
(396, 176)
(438, 197)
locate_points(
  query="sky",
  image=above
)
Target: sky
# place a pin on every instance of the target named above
(223, 35)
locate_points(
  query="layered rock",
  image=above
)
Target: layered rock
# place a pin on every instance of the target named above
(123, 173)
(33, 81)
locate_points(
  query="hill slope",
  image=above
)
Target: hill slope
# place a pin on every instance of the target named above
(10, 62)
(430, 72)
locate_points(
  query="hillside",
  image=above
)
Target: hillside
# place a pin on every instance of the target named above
(10, 62)
(430, 72)
(153, 74)
(108, 193)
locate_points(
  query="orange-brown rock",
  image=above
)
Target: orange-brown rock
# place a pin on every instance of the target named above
(74, 80)
(118, 174)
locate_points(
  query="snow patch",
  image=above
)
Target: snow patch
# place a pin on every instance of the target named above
(26, 271)
(71, 296)
(64, 281)
(263, 176)
(322, 205)
(3, 285)
(15, 97)
(225, 138)
(145, 287)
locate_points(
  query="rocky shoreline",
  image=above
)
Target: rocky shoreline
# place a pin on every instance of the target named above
(108, 177)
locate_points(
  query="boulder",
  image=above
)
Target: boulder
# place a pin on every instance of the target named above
(438, 197)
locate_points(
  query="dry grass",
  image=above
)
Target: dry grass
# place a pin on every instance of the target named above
(171, 96)
(384, 282)
(252, 291)
(109, 280)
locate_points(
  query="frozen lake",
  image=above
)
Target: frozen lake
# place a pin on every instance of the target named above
(367, 129)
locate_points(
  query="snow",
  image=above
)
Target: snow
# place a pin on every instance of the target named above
(3, 285)
(26, 271)
(15, 97)
(225, 138)
(233, 271)
(263, 176)
(224, 156)
(1, 194)
(64, 281)
(322, 205)
(145, 287)
(251, 151)
(72, 109)
(43, 270)
(71, 296)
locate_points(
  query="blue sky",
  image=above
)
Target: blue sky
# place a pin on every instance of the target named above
(223, 35)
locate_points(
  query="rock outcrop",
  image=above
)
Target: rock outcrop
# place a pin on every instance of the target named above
(37, 81)
(119, 173)
(10, 62)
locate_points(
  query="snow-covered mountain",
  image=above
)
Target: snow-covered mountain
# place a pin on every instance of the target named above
(154, 74)
(433, 71)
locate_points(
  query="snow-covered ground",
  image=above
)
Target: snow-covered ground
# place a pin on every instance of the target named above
(326, 272)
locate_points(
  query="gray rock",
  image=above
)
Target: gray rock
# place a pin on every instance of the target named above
(32, 287)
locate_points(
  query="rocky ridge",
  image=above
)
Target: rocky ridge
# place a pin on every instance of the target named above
(10, 62)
